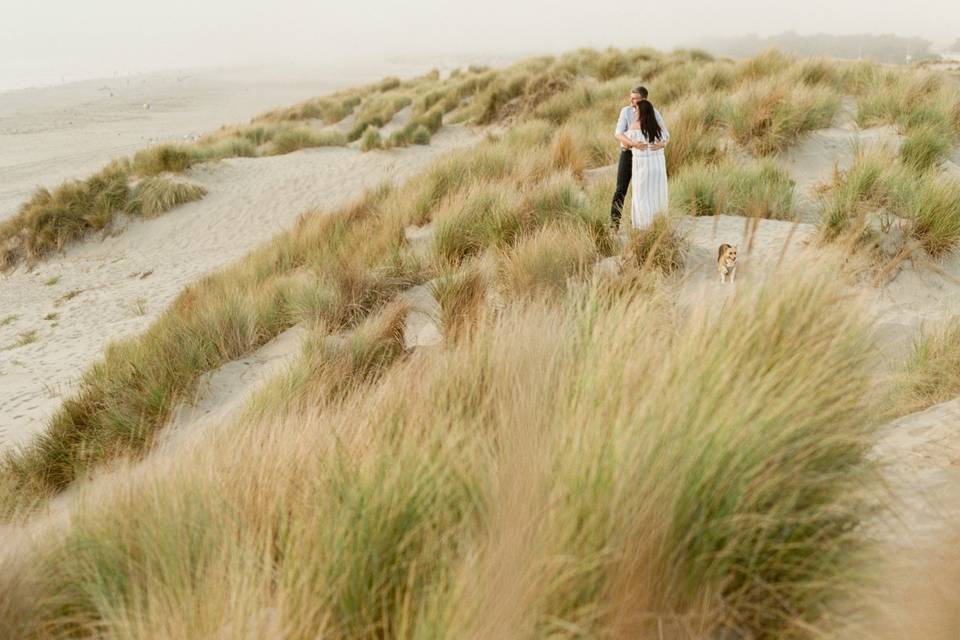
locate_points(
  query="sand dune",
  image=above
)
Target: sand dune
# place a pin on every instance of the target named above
(52, 134)
(106, 290)
(813, 160)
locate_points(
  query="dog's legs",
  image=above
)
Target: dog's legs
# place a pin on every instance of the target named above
(733, 275)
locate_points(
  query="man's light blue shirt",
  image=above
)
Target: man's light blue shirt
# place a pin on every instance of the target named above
(629, 114)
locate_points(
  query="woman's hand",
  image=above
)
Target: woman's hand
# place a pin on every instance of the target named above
(656, 146)
(640, 145)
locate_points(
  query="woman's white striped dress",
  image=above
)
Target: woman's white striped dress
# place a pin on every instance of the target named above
(649, 181)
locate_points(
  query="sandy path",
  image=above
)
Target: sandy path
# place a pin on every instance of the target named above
(119, 286)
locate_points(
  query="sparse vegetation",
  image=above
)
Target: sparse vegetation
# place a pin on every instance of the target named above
(69, 295)
(51, 281)
(23, 339)
(10, 319)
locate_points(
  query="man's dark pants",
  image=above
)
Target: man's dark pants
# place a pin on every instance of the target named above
(624, 171)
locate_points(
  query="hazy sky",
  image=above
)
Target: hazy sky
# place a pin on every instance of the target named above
(41, 40)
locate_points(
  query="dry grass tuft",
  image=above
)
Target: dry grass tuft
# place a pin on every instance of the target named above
(164, 158)
(290, 138)
(156, 195)
(50, 220)
(925, 147)
(544, 262)
(461, 295)
(660, 247)
(932, 372)
(371, 139)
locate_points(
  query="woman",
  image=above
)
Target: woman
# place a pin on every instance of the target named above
(649, 166)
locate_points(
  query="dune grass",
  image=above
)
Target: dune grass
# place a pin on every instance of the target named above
(659, 246)
(694, 133)
(376, 113)
(905, 98)
(461, 293)
(481, 507)
(758, 189)
(932, 372)
(765, 102)
(371, 139)
(156, 195)
(928, 202)
(767, 116)
(172, 158)
(925, 147)
(854, 191)
(762, 65)
(577, 460)
(238, 146)
(332, 365)
(547, 261)
(292, 138)
(329, 109)
(51, 219)
(126, 398)
(934, 206)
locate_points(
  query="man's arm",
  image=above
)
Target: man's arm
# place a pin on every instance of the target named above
(620, 133)
(621, 124)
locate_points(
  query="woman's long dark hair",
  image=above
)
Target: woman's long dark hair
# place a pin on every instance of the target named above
(647, 117)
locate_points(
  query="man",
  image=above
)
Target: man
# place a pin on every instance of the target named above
(628, 115)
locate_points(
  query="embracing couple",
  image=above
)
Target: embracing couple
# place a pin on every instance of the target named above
(643, 136)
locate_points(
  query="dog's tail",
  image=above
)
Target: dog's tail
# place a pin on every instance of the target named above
(723, 249)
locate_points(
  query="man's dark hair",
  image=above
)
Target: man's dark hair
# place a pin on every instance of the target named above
(640, 91)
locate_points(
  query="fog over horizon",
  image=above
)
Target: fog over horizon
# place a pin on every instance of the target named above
(41, 45)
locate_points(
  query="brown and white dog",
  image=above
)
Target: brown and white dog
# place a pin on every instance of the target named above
(727, 262)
